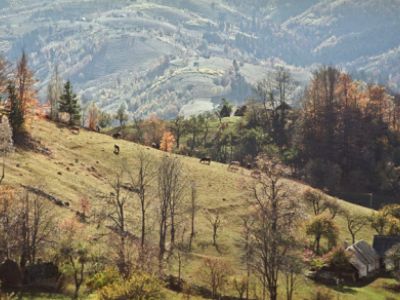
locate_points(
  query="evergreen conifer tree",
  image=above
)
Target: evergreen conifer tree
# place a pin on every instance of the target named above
(69, 104)
(16, 116)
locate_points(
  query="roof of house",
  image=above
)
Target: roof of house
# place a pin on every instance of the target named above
(363, 252)
(383, 243)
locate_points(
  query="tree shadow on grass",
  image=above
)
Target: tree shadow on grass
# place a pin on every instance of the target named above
(344, 289)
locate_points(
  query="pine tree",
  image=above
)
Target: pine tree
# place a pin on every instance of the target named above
(69, 104)
(16, 115)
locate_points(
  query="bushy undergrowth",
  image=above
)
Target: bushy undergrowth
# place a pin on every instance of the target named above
(139, 286)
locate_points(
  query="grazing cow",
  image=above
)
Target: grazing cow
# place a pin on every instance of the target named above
(205, 160)
(256, 174)
(116, 149)
(155, 145)
(117, 135)
(234, 166)
(75, 130)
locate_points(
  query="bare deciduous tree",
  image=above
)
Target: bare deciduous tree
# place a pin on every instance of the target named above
(171, 185)
(291, 271)
(93, 116)
(193, 210)
(36, 221)
(27, 223)
(240, 284)
(355, 222)
(141, 182)
(276, 217)
(215, 221)
(54, 92)
(215, 273)
(119, 201)
(316, 200)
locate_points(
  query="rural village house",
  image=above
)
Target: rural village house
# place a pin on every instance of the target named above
(364, 258)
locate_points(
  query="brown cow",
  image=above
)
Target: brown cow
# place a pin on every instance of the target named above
(234, 166)
(75, 130)
(256, 174)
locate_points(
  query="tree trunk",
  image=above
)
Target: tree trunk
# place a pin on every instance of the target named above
(317, 243)
(143, 211)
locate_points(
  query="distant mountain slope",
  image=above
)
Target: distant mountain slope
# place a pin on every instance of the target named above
(170, 55)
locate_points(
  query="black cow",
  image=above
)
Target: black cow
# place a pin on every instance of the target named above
(116, 149)
(117, 135)
(205, 160)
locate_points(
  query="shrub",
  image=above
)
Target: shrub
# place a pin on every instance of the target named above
(338, 259)
(102, 279)
(139, 286)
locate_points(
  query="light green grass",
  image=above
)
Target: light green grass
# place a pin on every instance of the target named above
(217, 188)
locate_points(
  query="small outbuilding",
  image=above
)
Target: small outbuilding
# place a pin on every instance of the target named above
(383, 243)
(364, 258)
(10, 274)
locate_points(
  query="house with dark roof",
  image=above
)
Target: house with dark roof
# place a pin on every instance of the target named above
(364, 258)
(381, 244)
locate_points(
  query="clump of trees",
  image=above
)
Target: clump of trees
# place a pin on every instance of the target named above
(344, 136)
(348, 134)
(387, 220)
(17, 84)
(28, 227)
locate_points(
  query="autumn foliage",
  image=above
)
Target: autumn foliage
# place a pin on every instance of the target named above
(93, 116)
(347, 132)
(167, 142)
(153, 129)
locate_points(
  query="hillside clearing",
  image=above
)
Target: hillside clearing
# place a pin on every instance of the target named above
(84, 163)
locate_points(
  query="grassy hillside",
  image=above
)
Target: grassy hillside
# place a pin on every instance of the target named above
(82, 164)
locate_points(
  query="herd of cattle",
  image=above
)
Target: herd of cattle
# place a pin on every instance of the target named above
(233, 166)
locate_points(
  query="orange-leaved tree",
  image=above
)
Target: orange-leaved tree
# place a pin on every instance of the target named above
(93, 116)
(24, 83)
(167, 142)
